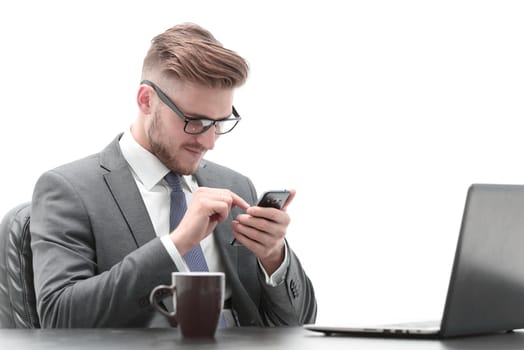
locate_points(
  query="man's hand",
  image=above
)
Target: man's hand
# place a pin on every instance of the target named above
(208, 207)
(262, 230)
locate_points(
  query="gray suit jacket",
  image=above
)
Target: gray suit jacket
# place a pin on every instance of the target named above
(96, 257)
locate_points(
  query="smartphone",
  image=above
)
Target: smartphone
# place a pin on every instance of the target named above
(270, 199)
(273, 199)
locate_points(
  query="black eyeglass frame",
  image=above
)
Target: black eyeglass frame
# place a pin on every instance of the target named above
(206, 122)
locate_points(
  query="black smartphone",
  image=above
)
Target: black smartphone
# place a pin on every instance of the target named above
(274, 199)
(270, 199)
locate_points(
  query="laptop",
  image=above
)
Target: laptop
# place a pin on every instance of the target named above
(486, 288)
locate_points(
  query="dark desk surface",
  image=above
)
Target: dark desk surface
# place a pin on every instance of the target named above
(231, 339)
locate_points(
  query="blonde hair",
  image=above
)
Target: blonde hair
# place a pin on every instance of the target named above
(190, 53)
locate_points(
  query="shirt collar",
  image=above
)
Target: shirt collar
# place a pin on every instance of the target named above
(146, 167)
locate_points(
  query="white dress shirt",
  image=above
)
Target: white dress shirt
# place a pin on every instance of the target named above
(149, 173)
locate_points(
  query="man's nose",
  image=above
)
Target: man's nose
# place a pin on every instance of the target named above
(208, 138)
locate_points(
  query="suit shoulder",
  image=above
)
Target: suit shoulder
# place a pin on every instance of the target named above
(83, 171)
(220, 169)
(215, 175)
(95, 164)
(80, 165)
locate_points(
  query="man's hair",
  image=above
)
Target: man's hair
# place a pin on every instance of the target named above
(190, 53)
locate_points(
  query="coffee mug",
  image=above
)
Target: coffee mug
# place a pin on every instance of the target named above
(197, 299)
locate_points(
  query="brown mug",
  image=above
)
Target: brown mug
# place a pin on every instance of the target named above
(197, 299)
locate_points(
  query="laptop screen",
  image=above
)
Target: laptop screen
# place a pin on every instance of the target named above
(486, 291)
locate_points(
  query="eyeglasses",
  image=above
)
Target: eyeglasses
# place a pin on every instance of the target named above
(197, 125)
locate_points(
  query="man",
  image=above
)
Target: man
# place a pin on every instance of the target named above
(100, 226)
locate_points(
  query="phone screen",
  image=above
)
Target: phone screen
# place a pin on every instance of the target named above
(273, 199)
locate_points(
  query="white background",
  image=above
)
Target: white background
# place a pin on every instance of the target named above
(379, 113)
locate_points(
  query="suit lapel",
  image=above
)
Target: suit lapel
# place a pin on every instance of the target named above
(122, 185)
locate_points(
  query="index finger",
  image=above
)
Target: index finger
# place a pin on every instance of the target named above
(239, 201)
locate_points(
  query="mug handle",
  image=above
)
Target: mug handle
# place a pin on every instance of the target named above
(153, 299)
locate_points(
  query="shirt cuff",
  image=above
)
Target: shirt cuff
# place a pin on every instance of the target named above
(280, 274)
(174, 254)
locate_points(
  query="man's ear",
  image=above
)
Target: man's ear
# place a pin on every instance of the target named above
(143, 99)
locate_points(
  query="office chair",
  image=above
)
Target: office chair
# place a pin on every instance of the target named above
(17, 294)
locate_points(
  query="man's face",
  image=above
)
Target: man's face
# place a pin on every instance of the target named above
(179, 151)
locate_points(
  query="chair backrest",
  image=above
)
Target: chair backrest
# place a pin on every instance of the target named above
(17, 294)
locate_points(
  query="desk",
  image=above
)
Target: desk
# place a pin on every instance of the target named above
(232, 339)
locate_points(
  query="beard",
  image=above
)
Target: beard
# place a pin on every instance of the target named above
(165, 153)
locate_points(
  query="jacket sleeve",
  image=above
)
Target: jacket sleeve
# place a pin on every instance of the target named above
(71, 290)
(292, 302)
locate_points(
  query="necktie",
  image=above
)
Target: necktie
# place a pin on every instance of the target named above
(195, 257)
